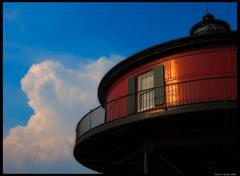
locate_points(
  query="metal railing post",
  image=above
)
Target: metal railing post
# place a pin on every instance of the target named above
(186, 92)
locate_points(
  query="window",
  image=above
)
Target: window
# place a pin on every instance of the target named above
(145, 91)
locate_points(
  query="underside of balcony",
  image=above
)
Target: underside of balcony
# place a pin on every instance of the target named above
(198, 136)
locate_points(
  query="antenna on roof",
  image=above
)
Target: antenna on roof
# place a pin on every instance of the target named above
(206, 8)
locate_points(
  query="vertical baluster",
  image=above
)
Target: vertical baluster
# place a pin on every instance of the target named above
(168, 97)
(116, 112)
(116, 106)
(94, 117)
(224, 89)
(100, 115)
(211, 89)
(215, 89)
(229, 93)
(187, 97)
(173, 94)
(200, 85)
(190, 92)
(207, 95)
(143, 100)
(110, 112)
(125, 106)
(149, 105)
(103, 115)
(233, 83)
(144, 95)
(194, 92)
(170, 92)
(89, 119)
(119, 101)
(182, 97)
(146, 100)
(123, 101)
(232, 86)
(119, 107)
(106, 112)
(144, 107)
(179, 95)
(150, 98)
(218, 89)
(122, 104)
(184, 93)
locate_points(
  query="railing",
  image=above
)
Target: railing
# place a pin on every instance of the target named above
(164, 97)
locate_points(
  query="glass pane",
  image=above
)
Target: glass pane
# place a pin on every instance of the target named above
(146, 98)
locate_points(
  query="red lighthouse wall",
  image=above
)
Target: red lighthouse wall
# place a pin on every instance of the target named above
(186, 76)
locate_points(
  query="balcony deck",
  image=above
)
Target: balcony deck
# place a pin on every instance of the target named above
(220, 89)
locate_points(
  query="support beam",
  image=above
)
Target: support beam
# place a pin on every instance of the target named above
(145, 160)
(169, 163)
(124, 158)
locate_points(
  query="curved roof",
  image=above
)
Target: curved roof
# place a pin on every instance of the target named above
(209, 25)
(149, 54)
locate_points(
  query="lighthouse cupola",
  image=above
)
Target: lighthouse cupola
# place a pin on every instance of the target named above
(209, 25)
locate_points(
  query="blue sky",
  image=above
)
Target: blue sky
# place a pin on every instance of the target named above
(79, 33)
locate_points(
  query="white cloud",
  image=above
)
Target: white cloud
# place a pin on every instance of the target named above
(59, 97)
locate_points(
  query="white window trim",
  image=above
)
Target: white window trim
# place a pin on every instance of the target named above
(139, 88)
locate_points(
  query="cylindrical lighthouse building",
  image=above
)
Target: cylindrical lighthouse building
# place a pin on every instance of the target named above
(167, 109)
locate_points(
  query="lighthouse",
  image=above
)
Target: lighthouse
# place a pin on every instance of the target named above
(169, 109)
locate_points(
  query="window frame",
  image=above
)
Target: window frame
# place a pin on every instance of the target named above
(140, 77)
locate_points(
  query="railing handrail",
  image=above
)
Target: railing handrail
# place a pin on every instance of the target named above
(146, 90)
(88, 114)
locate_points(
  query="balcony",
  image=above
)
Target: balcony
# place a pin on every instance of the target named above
(215, 89)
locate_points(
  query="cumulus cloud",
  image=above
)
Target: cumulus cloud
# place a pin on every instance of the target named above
(59, 97)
